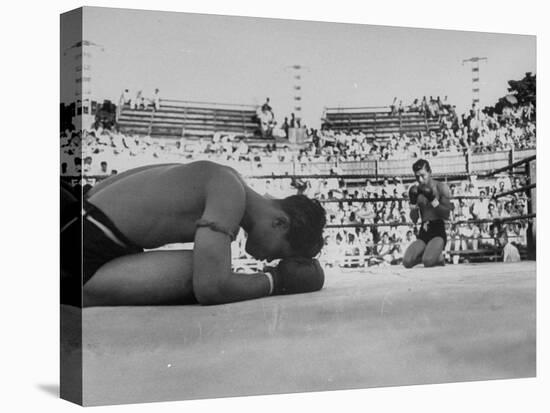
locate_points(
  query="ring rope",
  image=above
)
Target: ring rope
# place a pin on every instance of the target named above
(513, 191)
(457, 222)
(375, 177)
(389, 199)
(510, 166)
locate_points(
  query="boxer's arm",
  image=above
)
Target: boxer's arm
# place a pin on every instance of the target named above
(443, 210)
(213, 281)
(413, 203)
(414, 214)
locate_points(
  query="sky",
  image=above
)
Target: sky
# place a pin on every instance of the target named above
(243, 60)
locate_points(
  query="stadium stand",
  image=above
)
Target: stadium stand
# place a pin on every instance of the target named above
(377, 122)
(177, 119)
(358, 166)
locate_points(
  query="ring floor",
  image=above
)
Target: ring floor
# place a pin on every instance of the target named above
(367, 328)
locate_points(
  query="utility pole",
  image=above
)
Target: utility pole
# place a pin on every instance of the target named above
(297, 71)
(474, 62)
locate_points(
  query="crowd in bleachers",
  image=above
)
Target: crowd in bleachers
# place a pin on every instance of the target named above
(139, 100)
(270, 127)
(477, 131)
(432, 107)
(121, 151)
(385, 242)
(103, 152)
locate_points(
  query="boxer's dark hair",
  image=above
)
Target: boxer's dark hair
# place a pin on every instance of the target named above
(422, 164)
(307, 220)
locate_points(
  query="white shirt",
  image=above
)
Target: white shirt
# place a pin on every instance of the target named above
(510, 253)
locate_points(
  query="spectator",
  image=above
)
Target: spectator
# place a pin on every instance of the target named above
(463, 210)
(331, 252)
(155, 101)
(87, 167)
(400, 108)
(455, 242)
(475, 236)
(408, 240)
(103, 171)
(509, 252)
(351, 249)
(266, 107)
(480, 208)
(293, 121)
(266, 119)
(125, 99)
(285, 127)
(492, 212)
(466, 236)
(77, 166)
(139, 102)
(384, 250)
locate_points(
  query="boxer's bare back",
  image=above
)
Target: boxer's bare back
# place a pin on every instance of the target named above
(159, 204)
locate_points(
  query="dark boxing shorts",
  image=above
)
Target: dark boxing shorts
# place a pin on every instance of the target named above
(431, 229)
(88, 240)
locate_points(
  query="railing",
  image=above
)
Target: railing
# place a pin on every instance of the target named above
(372, 114)
(360, 109)
(363, 109)
(207, 105)
(443, 164)
(171, 119)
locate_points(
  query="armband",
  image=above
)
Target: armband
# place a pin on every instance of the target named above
(217, 227)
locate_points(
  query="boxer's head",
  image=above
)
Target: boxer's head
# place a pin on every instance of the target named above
(292, 227)
(422, 171)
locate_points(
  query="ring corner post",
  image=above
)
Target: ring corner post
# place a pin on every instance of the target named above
(532, 209)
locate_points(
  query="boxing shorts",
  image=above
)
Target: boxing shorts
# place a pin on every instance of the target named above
(431, 229)
(88, 240)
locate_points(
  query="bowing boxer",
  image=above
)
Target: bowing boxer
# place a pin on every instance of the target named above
(201, 202)
(429, 204)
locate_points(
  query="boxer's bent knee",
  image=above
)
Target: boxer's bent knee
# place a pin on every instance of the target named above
(431, 261)
(432, 253)
(409, 262)
(413, 254)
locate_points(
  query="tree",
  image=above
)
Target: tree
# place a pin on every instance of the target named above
(522, 92)
(525, 90)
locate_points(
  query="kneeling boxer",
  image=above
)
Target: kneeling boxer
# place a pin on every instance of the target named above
(103, 244)
(429, 201)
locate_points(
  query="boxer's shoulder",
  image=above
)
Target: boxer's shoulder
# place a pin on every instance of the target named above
(204, 172)
(225, 192)
(442, 187)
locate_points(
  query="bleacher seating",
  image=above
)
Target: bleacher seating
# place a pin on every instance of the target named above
(177, 119)
(377, 122)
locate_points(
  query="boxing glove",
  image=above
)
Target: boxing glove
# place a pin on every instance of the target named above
(295, 275)
(429, 193)
(413, 195)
